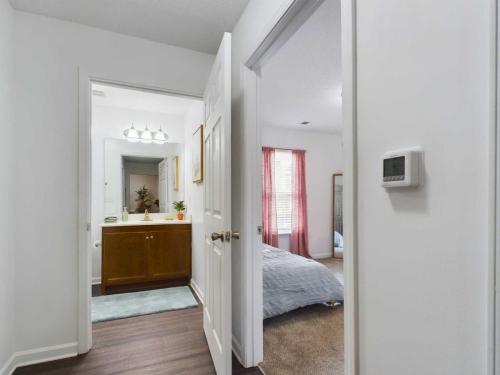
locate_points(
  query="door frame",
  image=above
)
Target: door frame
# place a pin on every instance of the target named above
(85, 80)
(293, 18)
(493, 321)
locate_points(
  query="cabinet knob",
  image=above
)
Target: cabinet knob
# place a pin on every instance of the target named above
(151, 237)
(147, 237)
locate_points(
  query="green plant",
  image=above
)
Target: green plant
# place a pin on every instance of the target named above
(179, 206)
(144, 198)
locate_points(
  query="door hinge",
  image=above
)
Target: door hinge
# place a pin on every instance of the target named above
(259, 229)
(88, 227)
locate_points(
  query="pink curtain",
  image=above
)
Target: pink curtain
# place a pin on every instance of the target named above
(298, 238)
(269, 217)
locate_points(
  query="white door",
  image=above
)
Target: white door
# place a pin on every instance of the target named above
(163, 185)
(217, 210)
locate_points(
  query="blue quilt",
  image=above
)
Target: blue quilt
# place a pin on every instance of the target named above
(291, 281)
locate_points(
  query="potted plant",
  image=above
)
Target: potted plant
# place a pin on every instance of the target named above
(179, 207)
(144, 199)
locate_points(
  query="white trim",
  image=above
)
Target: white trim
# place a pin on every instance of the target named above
(39, 355)
(237, 350)
(196, 288)
(8, 368)
(348, 14)
(493, 322)
(349, 138)
(252, 315)
(85, 193)
(96, 280)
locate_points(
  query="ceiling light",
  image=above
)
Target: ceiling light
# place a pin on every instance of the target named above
(160, 137)
(131, 134)
(146, 136)
(305, 123)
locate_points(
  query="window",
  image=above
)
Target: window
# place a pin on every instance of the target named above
(283, 183)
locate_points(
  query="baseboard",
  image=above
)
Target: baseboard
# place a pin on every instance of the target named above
(33, 356)
(8, 368)
(198, 291)
(322, 255)
(96, 280)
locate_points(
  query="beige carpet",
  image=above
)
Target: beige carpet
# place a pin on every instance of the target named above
(307, 341)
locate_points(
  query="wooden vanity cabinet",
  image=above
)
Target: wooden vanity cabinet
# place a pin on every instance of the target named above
(145, 256)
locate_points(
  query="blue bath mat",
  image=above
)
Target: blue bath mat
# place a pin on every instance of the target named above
(118, 306)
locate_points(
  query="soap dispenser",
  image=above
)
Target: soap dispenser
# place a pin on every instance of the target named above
(125, 214)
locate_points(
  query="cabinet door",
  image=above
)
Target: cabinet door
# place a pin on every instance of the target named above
(170, 254)
(125, 258)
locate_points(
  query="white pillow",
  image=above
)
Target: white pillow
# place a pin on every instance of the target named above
(338, 240)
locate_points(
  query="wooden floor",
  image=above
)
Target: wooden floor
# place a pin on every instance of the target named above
(167, 343)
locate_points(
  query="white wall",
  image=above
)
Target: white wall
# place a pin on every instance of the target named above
(47, 56)
(194, 199)
(7, 193)
(323, 159)
(423, 79)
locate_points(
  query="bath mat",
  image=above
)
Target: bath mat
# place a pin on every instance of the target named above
(118, 306)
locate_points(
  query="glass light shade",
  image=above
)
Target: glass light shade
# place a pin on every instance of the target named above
(160, 137)
(146, 136)
(131, 134)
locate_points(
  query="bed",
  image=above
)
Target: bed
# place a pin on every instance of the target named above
(291, 281)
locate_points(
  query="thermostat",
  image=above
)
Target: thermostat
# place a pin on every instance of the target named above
(402, 168)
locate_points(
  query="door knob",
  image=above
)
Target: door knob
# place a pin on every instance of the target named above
(217, 236)
(233, 235)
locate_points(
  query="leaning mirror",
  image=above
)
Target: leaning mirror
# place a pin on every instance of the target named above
(338, 220)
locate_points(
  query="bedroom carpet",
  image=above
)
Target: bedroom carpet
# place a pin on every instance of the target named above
(118, 306)
(307, 341)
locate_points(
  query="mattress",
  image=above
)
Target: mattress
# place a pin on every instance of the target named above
(291, 281)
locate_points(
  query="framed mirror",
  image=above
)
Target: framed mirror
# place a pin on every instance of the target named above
(338, 220)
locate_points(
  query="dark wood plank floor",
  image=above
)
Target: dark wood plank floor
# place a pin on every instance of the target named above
(167, 343)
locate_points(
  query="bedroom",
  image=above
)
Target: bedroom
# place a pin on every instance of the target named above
(300, 100)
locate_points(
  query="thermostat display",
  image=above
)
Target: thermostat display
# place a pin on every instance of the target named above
(402, 168)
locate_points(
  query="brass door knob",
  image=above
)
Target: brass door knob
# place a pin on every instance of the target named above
(217, 236)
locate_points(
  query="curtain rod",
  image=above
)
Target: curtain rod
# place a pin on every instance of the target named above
(285, 149)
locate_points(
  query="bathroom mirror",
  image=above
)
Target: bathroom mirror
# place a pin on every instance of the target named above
(338, 220)
(142, 176)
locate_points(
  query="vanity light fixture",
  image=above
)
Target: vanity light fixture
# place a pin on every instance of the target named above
(132, 134)
(146, 136)
(160, 137)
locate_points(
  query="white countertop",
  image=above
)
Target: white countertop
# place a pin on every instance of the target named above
(120, 223)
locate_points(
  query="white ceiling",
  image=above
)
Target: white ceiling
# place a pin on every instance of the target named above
(302, 81)
(193, 24)
(137, 100)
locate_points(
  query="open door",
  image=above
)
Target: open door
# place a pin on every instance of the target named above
(217, 216)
